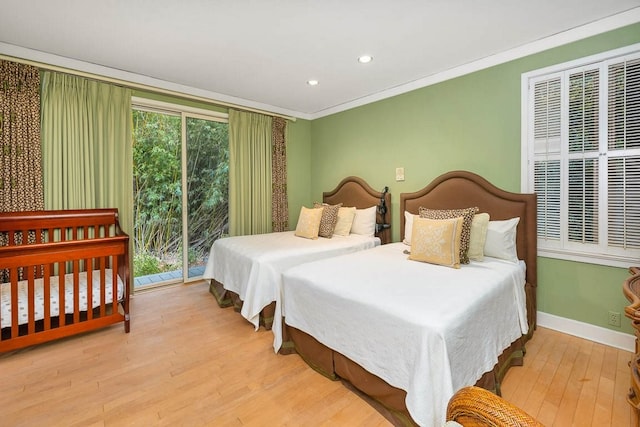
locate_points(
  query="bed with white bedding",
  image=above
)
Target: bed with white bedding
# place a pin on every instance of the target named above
(251, 266)
(409, 334)
(408, 321)
(245, 271)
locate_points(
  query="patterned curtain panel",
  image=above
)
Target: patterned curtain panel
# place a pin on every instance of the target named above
(21, 186)
(250, 182)
(280, 207)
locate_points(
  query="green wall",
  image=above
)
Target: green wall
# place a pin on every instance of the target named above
(473, 123)
(298, 167)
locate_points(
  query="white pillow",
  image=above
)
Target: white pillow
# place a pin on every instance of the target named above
(501, 239)
(345, 220)
(364, 222)
(408, 227)
(478, 236)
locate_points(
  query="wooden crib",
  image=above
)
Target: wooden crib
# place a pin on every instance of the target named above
(62, 273)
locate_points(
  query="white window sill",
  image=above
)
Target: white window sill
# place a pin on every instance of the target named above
(599, 259)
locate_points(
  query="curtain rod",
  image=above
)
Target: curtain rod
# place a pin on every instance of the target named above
(140, 86)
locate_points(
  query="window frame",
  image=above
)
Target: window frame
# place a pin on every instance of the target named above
(563, 249)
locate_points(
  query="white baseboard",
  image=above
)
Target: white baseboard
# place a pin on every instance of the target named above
(587, 331)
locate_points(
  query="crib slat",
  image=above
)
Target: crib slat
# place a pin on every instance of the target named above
(31, 312)
(89, 264)
(103, 281)
(47, 297)
(76, 291)
(13, 279)
(114, 283)
(61, 297)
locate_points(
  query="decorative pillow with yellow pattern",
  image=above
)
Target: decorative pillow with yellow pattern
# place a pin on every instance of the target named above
(437, 241)
(309, 223)
(329, 218)
(467, 214)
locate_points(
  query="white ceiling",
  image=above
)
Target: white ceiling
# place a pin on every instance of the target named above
(260, 53)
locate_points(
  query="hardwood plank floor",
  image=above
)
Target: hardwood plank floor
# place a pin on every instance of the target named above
(188, 362)
(568, 381)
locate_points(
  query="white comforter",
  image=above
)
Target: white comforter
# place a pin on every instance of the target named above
(426, 329)
(251, 266)
(23, 296)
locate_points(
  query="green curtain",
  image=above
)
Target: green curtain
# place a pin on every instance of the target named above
(249, 173)
(86, 141)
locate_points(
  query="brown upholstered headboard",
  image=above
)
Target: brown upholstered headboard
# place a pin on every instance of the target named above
(354, 191)
(463, 189)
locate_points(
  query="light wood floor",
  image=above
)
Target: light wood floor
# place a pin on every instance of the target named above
(188, 362)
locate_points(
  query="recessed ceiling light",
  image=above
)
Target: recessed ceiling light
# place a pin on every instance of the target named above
(365, 59)
(312, 82)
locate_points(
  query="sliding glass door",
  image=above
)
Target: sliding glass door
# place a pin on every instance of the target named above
(180, 191)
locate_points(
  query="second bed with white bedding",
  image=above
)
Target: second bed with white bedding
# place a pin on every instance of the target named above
(251, 266)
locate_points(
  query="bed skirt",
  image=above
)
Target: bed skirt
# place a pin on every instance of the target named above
(226, 298)
(388, 400)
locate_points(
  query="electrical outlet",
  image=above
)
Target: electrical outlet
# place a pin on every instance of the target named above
(614, 318)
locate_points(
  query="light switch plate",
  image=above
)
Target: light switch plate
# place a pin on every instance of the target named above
(399, 174)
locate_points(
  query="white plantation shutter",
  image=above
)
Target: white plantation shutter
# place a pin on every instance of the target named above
(623, 143)
(624, 202)
(582, 207)
(624, 105)
(583, 153)
(546, 137)
(583, 157)
(583, 124)
(547, 187)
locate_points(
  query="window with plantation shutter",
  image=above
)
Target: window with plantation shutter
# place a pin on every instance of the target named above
(581, 155)
(546, 139)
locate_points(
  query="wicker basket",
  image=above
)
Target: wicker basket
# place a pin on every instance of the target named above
(475, 406)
